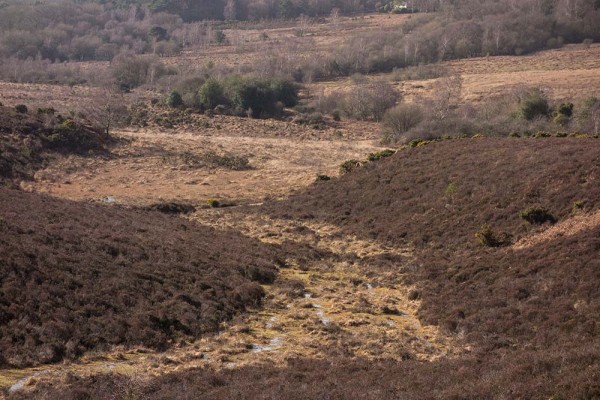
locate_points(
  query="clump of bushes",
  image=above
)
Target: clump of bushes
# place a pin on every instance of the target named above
(399, 120)
(211, 94)
(537, 215)
(534, 104)
(323, 178)
(21, 108)
(381, 154)
(350, 165)
(174, 99)
(241, 96)
(76, 138)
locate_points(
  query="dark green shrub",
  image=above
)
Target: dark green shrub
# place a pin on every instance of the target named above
(285, 91)
(158, 33)
(69, 136)
(211, 93)
(21, 108)
(174, 99)
(534, 104)
(537, 215)
(172, 208)
(322, 178)
(253, 95)
(566, 109)
(214, 203)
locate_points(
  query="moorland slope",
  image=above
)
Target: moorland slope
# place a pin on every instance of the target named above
(525, 315)
(77, 277)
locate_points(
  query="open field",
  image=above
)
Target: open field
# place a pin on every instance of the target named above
(154, 167)
(569, 73)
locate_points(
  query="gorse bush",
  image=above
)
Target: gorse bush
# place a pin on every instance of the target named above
(350, 165)
(211, 94)
(537, 215)
(534, 104)
(487, 237)
(174, 99)
(381, 154)
(73, 137)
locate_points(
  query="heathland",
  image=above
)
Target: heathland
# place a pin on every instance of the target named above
(285, 199)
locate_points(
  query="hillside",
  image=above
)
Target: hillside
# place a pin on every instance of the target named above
(77, 277)
(523, 311)
(438, 196)
(28, 140)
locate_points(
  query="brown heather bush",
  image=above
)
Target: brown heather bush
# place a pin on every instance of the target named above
(88, 277)
(516, 308)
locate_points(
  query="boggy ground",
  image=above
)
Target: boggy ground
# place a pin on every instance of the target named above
(335, 296)
(152, 166)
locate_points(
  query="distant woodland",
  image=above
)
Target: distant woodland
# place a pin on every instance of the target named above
(64, 30)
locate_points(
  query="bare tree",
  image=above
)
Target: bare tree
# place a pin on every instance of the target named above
(303, 22)
(335, 17)
(106, 110)
(447, 92)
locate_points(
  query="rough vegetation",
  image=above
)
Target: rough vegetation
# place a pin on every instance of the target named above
(525, 316)
(78, 277)
(28, 138)
(460, 263)
(501, 301)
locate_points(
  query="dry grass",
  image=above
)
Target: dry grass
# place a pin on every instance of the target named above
(570, 73)
(152, 167)
(575, 225)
